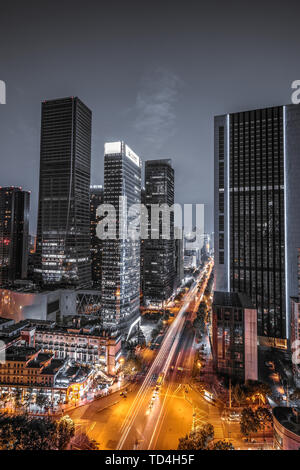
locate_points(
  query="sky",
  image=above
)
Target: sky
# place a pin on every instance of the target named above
(154, 73)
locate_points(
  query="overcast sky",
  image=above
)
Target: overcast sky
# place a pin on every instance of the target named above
(154, 73)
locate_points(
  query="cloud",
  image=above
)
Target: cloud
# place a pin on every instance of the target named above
(155, 108)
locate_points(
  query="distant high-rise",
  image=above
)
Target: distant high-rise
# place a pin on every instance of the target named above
(96, 199)
(257, 223)
(234, 335)
(63, 233)
(179, 261)
(14, 238)
(121, 255)
(159, 254)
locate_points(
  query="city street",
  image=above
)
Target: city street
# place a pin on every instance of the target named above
(134, 423)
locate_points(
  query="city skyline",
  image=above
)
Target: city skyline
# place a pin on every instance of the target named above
(149, 228)
(164, 107)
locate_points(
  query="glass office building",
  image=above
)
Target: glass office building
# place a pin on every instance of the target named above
(63, 232)
(257, 224)
(159, 254)
(121, 254)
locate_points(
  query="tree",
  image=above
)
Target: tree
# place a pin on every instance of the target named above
(222, 445)
(249, 422)
(295, 395)
(238, 394)
(41, 399)
(27, 398)
(65, 431)
(132, 365)
(82, 442)
(23, 432)
(256, 390)
(265, 417)
(18, 398)
(197, 440)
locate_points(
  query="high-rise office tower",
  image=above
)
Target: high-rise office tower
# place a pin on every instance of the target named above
(14, 238)
(159, 254)
(143, 201)
(257, 223)
(96, 199)
(121, 253)
(63, 233)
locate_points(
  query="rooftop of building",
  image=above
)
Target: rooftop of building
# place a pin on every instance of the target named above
(253, 110)
(54, 366)
(160, 161)
(11, 330)
(232, 299)
(40, 360)
(29, 287)
(19, 353)
(72, 374)
(288, 417)
(86, 330)
(13, 188)
(5, 320)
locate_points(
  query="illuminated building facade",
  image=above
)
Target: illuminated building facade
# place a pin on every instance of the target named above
(159, 253)
(257, 224)
(27, 367)
(286, 425)
(234, 335)
(14, 225)
(121, 254)
(96, 199)
(85, 345)
(63, 233)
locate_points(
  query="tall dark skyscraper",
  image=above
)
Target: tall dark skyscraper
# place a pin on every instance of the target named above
(96, 199)
(14, 238)
(257, 224)
(159, 254)
(121, 255)
(63, 233)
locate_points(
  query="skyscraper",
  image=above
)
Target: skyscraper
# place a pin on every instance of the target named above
(63, 233)
(257, 223)
(14, 226)
(121, 255)
(96, 199)
(179, 261)
(159, 254)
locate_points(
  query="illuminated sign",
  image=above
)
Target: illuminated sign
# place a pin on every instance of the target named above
(131, 155)
(2, 92)
(111, 148)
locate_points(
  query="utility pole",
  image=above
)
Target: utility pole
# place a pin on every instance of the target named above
(230, 393)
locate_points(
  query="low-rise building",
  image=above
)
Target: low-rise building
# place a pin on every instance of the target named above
(286, 423)
(5, 322)
(87, 345)
(27, 367)
(295, 338)
(29, 302)
(234, 335)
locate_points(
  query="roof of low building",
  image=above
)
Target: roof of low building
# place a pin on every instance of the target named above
(288, 417)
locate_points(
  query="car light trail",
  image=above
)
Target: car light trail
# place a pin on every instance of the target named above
(160, 365)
